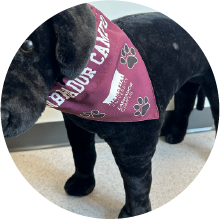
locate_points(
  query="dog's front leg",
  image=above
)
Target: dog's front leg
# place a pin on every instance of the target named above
(133, 146)
(82, 182)
(137, 185)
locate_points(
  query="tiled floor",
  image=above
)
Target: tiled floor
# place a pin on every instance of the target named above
(174, 168)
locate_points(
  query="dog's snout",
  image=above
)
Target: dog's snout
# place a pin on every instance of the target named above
(4, 117)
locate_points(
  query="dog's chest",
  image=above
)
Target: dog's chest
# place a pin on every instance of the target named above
(114, 86)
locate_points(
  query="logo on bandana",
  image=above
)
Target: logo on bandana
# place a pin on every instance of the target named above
(117, 88)
(93, 114)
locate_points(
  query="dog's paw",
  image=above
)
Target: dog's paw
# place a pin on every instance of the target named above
(142, 106)
(174, 139)
(78, 185)
(130, 60)
(123, 214)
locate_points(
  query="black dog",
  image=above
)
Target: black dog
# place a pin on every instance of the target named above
(62, 47)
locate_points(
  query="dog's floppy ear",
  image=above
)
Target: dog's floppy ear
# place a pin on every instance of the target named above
(75, 30)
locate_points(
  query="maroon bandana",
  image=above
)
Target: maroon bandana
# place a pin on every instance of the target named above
(114, 86)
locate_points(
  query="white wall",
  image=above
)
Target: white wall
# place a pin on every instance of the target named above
(116, 9)
(50, 115)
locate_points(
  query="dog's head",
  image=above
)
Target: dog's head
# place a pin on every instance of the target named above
(60, 47)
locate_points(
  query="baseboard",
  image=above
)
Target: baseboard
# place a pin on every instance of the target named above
(53, 134)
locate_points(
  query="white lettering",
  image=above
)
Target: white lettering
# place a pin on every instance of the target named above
(102, 50)
(102, 35)
(88, 72)
(94, 60)
(71, 82)
(57, 98)
(86, 82)
(105, 24)
(115, 86)
(103, 40)
(125, 100)
(101, 26)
